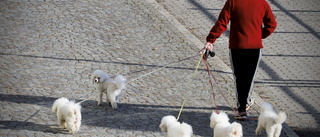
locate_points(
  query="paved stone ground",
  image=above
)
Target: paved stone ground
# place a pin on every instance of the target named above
(289, 75)
(50, 48)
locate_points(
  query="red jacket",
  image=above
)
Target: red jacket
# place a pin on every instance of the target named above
(251, 21)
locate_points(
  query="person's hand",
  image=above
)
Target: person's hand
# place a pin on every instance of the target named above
(208, 51)
(209, 46)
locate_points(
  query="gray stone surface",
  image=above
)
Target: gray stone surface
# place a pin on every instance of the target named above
(289, 74)
(50, 48)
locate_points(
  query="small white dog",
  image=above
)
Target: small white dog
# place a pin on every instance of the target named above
(270, 121)
(171, 125)
(111, 87)
(68, 114)
(222, 127)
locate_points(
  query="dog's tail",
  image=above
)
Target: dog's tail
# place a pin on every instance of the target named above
(77, 105)
(120, 82)
(58, 103)
(236, 129)
(281, 118)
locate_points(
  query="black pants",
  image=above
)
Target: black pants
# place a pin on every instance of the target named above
(244, 64)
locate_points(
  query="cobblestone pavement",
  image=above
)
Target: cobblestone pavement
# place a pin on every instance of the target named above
(50, 48)
(289, 75)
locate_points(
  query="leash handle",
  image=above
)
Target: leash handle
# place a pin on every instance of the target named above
(207, 53)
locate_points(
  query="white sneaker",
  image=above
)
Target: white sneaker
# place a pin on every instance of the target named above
(251, 102)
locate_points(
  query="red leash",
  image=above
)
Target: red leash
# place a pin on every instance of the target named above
(211, 84)
(213, 95)
(210, 81)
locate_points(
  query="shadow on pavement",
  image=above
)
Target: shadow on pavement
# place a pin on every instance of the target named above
(140, 117)
(22, 125)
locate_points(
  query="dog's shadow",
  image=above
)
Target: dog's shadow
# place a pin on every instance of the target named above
(22, 125)
(144, 117)
(37, 100)
(138, 117)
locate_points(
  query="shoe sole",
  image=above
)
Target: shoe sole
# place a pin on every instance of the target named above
(241, 118)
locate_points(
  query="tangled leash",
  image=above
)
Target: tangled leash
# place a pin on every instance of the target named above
(203, 58)
(211, 76)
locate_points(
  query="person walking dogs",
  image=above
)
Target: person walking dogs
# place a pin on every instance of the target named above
(251, 21)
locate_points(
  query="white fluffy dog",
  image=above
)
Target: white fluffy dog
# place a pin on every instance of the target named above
(68, 113)
(111, 87)
(174, 128)
(270, 121)
(222, 127)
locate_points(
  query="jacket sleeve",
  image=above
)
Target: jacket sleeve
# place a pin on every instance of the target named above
(269, 23)
(221, 24)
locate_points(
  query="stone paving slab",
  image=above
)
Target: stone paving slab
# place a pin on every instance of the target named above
(288, 76)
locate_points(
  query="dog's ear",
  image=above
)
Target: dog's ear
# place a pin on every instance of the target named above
(163, 126)
(212, 124)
